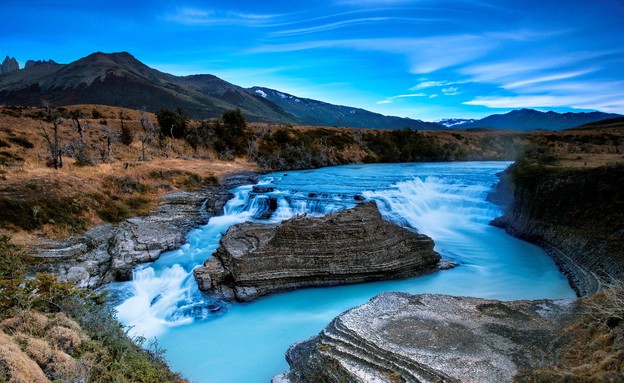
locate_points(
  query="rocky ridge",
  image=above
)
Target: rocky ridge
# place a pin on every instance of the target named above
(398, 337)
(9, 64)
(350, 246)
(109, 252)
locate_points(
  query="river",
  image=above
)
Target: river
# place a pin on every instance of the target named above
(212, 341)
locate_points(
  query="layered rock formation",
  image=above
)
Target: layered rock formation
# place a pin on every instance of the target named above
(109, 252)
(350, 246)
(576, 215)
(397, 337)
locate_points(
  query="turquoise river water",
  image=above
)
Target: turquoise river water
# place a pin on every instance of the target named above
(210, 341)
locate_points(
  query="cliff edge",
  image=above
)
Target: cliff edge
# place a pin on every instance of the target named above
(576, 215)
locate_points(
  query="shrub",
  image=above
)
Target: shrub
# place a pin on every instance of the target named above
(33, 214)
(172, 124)
(96, 114)
(23, 142)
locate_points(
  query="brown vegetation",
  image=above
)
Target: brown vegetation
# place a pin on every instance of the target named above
(594, 351)
(52, 332)
(101, 180)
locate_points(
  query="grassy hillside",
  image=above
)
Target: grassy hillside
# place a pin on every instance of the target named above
(118, 181)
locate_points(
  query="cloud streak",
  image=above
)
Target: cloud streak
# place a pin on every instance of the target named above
(196, 16)
(391, 99)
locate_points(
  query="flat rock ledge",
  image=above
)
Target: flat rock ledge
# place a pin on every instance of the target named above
(110, 252)
(351, 246)
(398, 337)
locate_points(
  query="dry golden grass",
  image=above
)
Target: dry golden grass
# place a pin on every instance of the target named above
(17, 366)
(35, 347)
(115, 188)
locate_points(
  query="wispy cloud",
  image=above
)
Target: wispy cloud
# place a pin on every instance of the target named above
(391, 99)
(450, 91)
(547, 78)
(373, 2)
(352, 22)
(196, 16)
(612, 102)
(516, 70)
(426, 54)
(430, 84)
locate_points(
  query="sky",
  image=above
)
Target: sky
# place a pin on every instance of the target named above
(423, 59)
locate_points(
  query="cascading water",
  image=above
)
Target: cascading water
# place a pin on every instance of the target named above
(210, 341)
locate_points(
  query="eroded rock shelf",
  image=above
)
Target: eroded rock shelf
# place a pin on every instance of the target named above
(350, 246)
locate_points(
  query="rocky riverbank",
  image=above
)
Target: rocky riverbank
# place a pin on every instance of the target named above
(351, 246)
(109, 252)
(398, 337)
(576, 215)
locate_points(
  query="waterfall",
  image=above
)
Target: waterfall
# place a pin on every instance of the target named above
(164, 293)
(434, 206)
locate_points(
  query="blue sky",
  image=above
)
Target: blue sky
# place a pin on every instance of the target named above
(412, 58)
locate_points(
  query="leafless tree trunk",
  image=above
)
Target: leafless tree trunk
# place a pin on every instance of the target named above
(54, 148)
(148, 133)
(105, 150)
(81, 153)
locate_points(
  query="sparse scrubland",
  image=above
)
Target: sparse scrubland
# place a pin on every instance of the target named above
(53, 332)
(65, 170)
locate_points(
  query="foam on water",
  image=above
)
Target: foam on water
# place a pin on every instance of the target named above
(211, 341)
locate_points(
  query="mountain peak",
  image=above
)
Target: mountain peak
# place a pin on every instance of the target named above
(9, 65)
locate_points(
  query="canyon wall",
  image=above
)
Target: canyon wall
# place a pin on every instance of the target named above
(576, 215)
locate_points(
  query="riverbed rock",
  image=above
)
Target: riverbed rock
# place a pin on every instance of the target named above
(350, 246)
(110, 252)
(398, 337)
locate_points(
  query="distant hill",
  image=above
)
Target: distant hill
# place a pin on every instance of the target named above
(118, 79)
(313, 112)
(529, 119)
(610, 123)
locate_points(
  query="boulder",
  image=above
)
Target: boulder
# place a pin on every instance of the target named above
(398, 337)
(350, 246)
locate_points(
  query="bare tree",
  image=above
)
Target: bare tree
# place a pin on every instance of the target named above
(105, 149)
(81, 154)
(55, 152)
(148, 133)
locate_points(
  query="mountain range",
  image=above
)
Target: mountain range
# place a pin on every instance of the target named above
(530, 119)
(313, 112)
(119, 79)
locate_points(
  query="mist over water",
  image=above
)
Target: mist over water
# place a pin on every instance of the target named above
(212, 341)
